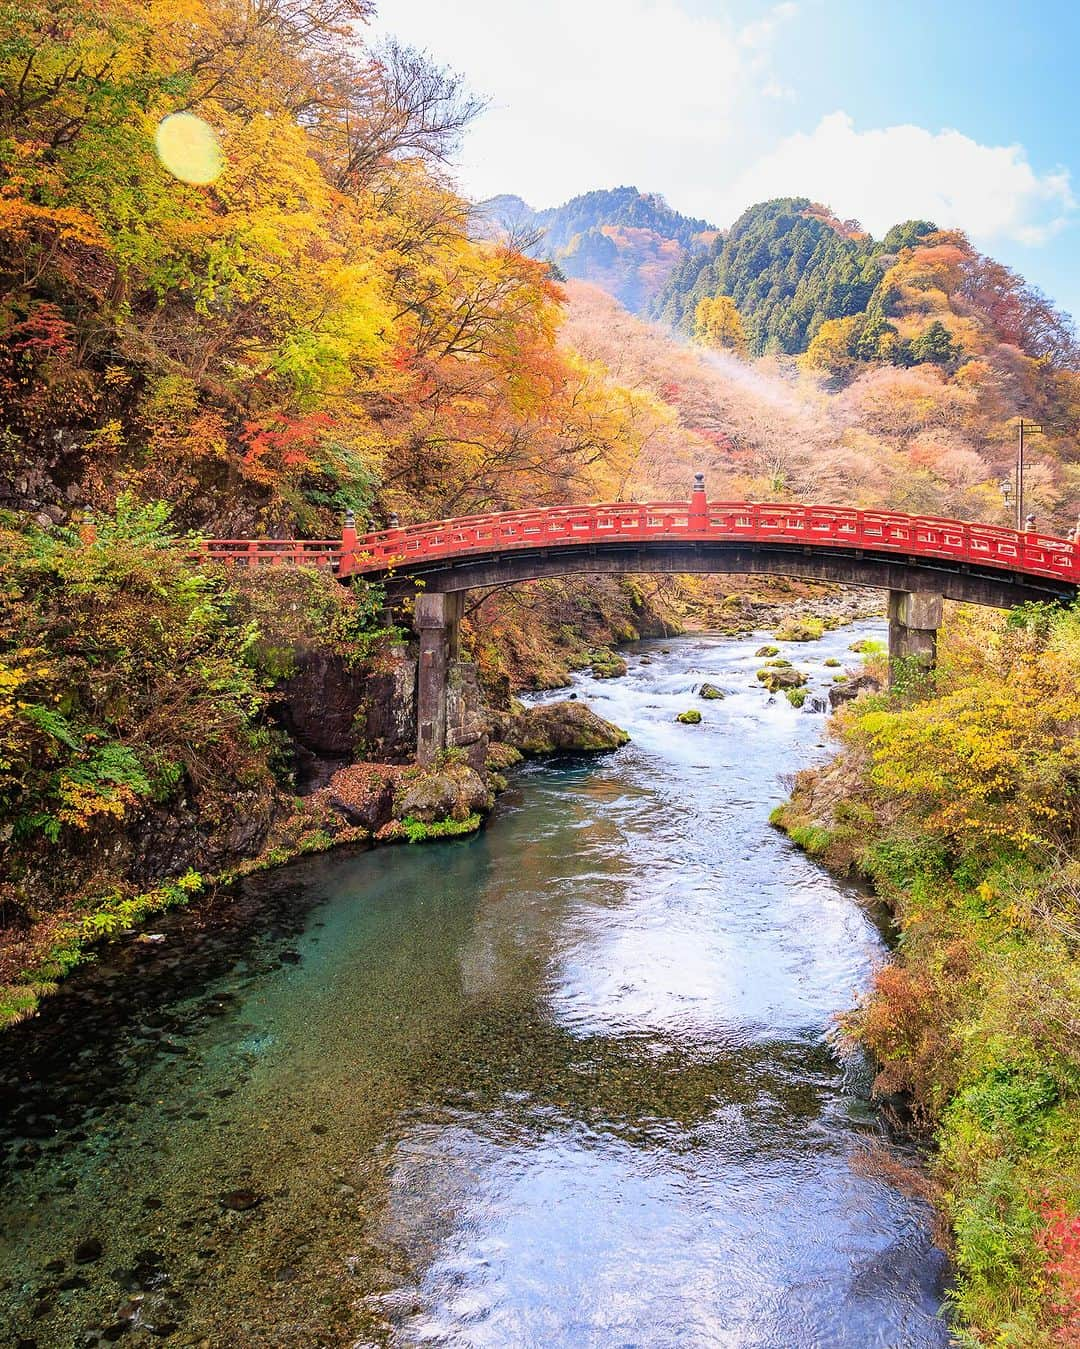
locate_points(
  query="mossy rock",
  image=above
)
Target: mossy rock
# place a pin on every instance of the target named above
(500, 756)
(800, 630)
(864, 644)
(832, 663)
(774, 679)
(778, 664)
(607, 665)
(711, 692)
(568, 727)
(767, 651)
(796, 697)
(690, 718)
(451, 791)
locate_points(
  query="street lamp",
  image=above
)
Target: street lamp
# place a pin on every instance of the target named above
(1006, 491)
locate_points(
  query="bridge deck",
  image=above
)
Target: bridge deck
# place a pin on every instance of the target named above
(415, 547)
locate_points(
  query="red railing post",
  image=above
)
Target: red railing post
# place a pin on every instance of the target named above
(348, 545)
(699, 506)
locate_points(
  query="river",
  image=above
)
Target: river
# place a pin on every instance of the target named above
(568, 1083)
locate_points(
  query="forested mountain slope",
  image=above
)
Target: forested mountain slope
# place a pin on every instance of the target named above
(796, 273)
(624, 240)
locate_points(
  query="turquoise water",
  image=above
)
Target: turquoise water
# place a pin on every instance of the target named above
(571, 1082)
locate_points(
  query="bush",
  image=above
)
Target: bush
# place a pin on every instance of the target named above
(964, 793)
(123, 674)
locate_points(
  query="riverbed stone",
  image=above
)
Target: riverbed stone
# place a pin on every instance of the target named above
(564, 727)
(240, 1201)
(710, 692)
(800, 630)
(776, 679)
(692, 717)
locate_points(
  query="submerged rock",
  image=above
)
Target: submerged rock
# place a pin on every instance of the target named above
(239, 1201)
(559, 728)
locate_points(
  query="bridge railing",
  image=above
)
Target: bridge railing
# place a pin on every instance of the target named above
(326, 553)
(818, 526)
(409, 546)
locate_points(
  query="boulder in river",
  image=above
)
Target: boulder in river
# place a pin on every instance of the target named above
(775, 679)
(711, 692)
(800, 630)
(690, 718)
(559, 728)
(607, 665)
(767, 651)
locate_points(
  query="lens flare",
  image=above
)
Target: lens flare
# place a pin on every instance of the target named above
(189, 148)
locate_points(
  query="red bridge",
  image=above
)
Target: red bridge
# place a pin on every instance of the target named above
(918, 559)
(980, 563)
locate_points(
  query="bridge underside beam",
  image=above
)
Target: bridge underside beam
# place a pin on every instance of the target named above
(966, 583)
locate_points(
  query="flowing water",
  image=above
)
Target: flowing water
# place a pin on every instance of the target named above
(569, 1082)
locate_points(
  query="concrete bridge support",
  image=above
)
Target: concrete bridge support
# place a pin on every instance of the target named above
(914, 619)
(448, 711)
(438, 623)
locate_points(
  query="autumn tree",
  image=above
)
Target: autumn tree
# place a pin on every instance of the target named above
(718, 323)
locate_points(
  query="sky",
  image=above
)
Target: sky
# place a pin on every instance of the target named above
(958, 112)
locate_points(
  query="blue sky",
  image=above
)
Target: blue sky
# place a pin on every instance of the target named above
(962, 112)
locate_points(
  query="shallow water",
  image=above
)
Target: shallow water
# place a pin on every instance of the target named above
(567, 1083)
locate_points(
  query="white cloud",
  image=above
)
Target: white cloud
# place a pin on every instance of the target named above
(895, 173)
(594, 93)
(783, 92)
(591, 93)
(759, 33)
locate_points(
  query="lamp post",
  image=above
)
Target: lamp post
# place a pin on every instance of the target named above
(1024, 426)
(1005, 487)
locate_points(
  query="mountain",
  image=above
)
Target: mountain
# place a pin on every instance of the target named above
(626, 241)
(790, 266)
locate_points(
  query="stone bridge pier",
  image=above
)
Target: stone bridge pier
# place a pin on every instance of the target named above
(914, 620)
(448, 707)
